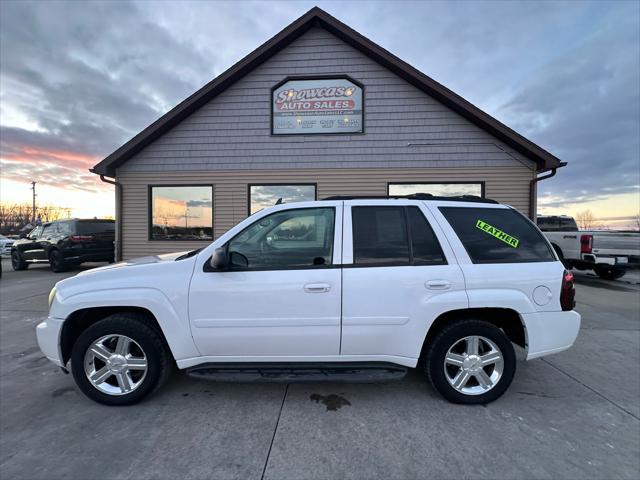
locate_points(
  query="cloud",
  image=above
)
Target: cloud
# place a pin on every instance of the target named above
(584, 106)
(79, 79)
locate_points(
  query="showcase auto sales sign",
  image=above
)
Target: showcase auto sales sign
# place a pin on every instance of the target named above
(317, 106)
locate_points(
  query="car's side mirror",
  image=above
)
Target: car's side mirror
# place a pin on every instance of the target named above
(220, 259)
(23, 235)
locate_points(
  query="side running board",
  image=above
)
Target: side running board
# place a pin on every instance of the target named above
(363, 372)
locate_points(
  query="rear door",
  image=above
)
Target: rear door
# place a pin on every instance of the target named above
(399, 275)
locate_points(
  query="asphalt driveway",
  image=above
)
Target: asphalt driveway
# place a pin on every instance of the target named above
(572, 415)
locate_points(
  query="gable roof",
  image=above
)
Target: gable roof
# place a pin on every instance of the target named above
(318, 17)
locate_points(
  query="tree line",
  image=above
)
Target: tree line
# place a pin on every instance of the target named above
(16, 216)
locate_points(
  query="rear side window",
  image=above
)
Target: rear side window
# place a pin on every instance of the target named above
(88, 228)
(492, 235)
(393, 236)
(380, 236)
(64, 228)
(425, 246)
(568, 225)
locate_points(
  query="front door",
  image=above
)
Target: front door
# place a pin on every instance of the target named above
(398, 278)
(281, 295)
(33, 249)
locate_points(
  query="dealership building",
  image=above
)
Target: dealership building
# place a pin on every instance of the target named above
(318, 110)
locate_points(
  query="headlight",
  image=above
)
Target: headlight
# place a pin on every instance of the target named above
(52, 295)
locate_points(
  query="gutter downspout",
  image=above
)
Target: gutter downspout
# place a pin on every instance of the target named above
(533, 189)
(118, 185)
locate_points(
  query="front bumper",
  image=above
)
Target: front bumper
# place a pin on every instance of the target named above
(48, 335)
(550, 332)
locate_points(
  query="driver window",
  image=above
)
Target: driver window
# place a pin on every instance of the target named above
(290, 238)
(36, 232)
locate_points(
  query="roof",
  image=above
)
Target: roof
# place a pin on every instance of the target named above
(318, 17)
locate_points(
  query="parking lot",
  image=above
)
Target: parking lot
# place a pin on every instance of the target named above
(572, 415)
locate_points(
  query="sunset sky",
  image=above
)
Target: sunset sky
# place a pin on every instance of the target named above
(78, 79)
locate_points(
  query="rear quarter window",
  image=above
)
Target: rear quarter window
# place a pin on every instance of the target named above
(498, 235)
(88, 228)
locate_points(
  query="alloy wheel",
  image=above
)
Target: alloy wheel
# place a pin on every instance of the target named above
(115, 364)
(473, 365)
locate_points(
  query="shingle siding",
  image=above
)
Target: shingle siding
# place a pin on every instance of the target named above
(233, 131)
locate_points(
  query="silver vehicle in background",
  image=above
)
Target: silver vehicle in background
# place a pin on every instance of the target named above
(608, 253)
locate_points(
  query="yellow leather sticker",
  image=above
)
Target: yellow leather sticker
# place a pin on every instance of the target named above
(499, 234)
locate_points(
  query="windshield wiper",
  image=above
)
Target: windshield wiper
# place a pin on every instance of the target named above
(189, 254)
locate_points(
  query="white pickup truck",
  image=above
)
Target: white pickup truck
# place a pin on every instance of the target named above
(608, 253)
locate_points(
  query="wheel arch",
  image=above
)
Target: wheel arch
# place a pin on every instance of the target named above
(507, 319)
(80, 320)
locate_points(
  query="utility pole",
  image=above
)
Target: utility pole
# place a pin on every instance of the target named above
(33, 205)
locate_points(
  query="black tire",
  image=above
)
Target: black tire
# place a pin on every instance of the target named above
(448, 337)
(17, 261)
(146, 336)
(609, 273)
(56, 261)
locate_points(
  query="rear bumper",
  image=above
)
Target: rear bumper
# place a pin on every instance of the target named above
(48, 335)
(550, 332)
(621, 262)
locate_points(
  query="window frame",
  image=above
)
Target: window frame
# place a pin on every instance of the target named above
(150, 212)
(300, 184)
(208, 268)
(482, 184)
(412, 261)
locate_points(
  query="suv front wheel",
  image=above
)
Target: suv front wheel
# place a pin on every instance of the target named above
(17, 261)
(471, 362)
(119, 360)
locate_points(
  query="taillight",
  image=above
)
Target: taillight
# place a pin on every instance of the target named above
(586, 243)
(567, 292)
(81, 238)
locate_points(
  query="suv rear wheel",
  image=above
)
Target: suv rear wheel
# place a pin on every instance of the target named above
(56, 261)
(471, 362)
(17, 261)
(119, 360)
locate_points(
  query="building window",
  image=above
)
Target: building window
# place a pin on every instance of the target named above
(451, 189)
(182, 212)
(263, 196)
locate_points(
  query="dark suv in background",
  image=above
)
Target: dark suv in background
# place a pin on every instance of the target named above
(64, 243)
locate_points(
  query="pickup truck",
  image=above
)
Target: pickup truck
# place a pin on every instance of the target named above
(339, 288)
(608, 253)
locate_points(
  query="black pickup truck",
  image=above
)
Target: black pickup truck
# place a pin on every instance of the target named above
(64, 243)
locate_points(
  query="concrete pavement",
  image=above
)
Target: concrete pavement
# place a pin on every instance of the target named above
(571, 415)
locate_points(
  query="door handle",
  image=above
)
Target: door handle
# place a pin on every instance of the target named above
(438, 284)
(317, 287)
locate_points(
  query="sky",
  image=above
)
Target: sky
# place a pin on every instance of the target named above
(78, 79)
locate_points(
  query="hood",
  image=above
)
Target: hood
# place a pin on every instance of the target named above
(166, 257)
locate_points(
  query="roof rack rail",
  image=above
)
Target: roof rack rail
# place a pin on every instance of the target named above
(415, 196)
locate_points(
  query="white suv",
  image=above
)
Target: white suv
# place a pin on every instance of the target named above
(334, 289)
